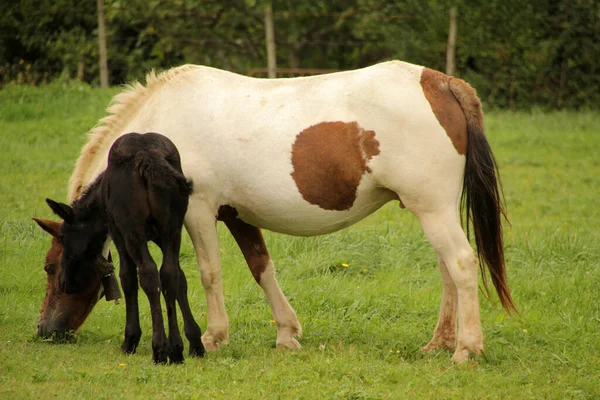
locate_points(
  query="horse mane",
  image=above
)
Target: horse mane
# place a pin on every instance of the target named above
(82, 203)
(122, 108)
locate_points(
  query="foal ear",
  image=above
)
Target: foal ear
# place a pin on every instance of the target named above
(52, 227)
(62, 210)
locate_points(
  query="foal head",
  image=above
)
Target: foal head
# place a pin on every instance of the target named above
(82, 235)
(77, 273)
(64, 313)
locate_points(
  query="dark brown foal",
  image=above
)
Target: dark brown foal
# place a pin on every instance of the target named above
(142, 196)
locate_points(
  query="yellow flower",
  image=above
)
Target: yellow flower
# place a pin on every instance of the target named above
(365, 270)
(391, 351)
(272, 322)
(121, 365)
(345, 265)
(524, 330)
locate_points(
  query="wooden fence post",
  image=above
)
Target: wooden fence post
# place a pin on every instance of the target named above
(80, 69)
(450, 49)
(270, 38)
(102, 45)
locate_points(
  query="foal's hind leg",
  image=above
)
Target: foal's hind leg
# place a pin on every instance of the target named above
(447, 237)
(129, 283)
(150, 283)
(252, 244)
(169, 279)
(190, 327)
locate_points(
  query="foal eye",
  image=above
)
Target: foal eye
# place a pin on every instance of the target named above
(49, 268)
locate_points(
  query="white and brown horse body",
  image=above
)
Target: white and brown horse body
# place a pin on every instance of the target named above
(309, 156)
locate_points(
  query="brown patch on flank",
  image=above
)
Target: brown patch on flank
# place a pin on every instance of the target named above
(445, 106)
(249, 238)
(329, 160)
(226, 213)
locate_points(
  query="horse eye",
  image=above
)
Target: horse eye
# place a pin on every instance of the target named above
(49, 268)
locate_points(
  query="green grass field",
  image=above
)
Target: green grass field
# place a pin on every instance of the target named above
(363, 325)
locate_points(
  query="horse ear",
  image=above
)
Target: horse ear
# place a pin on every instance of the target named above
(52, 227)
(62, 210)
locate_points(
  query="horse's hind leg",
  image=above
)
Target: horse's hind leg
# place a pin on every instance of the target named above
(445, 234)
(252, 244)
(444, 335)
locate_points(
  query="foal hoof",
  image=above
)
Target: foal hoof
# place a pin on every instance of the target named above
(197, 351)
(160, 356)
(129, 345)
(176, 358)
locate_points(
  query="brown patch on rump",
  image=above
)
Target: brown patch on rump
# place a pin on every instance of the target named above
(329, 160)
(445, 106)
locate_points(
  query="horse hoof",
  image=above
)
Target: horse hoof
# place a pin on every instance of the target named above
(438, 345)
(211, 343)
(460, 356)
(290, 343)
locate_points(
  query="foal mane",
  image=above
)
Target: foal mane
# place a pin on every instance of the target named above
(122, 109)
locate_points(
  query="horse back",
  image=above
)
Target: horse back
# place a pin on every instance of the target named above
(309, 153)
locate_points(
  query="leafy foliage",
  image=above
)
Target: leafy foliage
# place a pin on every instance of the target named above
(517, 54)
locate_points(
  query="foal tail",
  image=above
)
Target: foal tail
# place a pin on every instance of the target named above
(158, 172)
(482, 198)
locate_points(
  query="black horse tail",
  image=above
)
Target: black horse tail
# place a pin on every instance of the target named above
(482, 196)
(158, 172)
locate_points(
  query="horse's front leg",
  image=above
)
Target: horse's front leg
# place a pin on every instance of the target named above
(252, 244)
(201, 226)
(129, 283)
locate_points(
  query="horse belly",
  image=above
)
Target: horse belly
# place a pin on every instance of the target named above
(293, 215)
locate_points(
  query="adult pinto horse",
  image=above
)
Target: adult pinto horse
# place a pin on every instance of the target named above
(142, 196)
(309, 156)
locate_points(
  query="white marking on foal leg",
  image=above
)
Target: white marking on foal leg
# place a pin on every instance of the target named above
(201, 227)
(444, 335)
(285, 316)
(446, 236)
